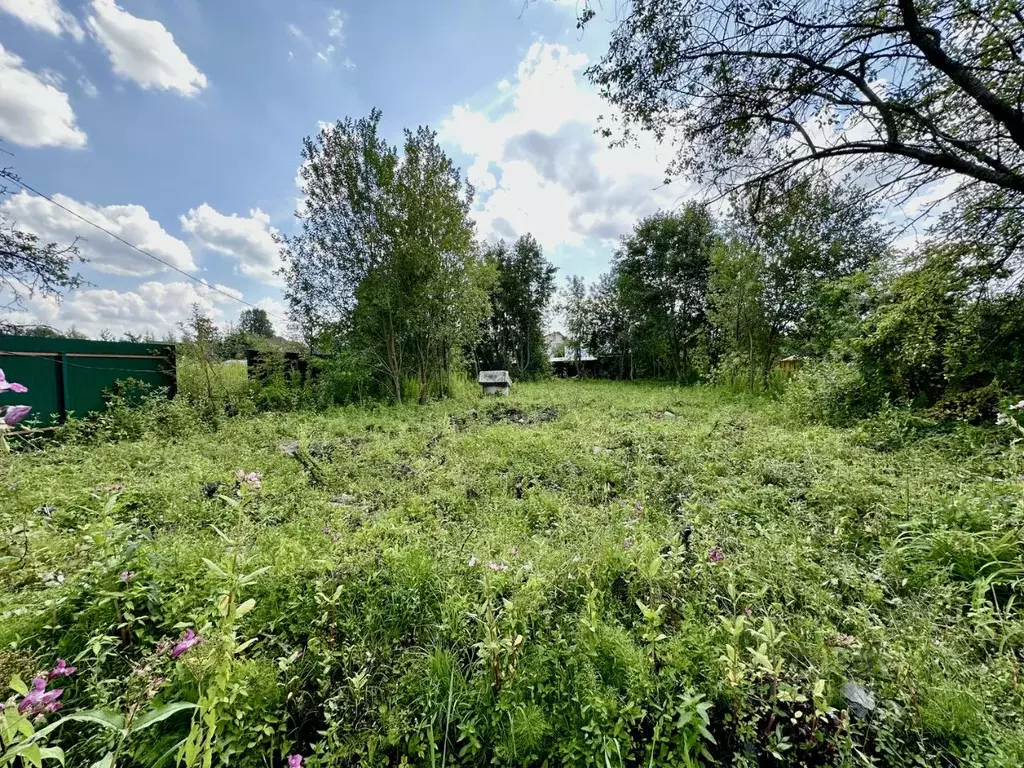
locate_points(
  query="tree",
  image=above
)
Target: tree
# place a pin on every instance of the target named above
(30, 267)
(386, 257)
(793, 252)
(609, 329)
(257, 322)
(514, 336)
(662, 269)
(899, 93)
(576, 310)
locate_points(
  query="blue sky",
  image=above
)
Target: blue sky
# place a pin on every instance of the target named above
(179, 126)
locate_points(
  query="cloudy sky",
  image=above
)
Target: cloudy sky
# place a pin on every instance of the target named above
(178, 127)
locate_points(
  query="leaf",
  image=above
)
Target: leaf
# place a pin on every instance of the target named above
(158, 715)
(251, 577)
(107, 761)
(52, 753)
(215, 568)
(224, 604)
(32, 754)
(18, 685)
(245, 607)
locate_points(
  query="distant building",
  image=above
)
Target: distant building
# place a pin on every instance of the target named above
(556, 343)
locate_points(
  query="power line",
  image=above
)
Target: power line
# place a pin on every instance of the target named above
(134, 247)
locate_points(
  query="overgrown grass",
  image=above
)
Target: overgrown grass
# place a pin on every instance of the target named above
(583, 574)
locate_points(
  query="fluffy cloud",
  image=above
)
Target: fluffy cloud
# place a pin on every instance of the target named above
(143, 50)
(538, 167)
(151, 308)
(131, 222)
(44, 15)
(33, 111)
(247, 239)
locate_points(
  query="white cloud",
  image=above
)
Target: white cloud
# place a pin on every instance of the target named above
(325, 51)
(538, 167)
(104, 253)
(143, 50)
(247, 239)
(44, 15)
(87, 87)
(152, 307)
(34, 112)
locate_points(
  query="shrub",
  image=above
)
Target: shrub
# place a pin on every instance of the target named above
(833, 393)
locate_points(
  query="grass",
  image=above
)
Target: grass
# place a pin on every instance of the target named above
(529, 581)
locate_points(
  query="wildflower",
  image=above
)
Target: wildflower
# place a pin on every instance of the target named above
(335, 536)
(39, 700)
(15, 414)
(497, 566)
(294, 761)
(1015, 407)
(252, 479)
(627, 544)
(1002, 420)
(748, 611)
(715, 555)
(62, 669)
(188, 640)
(127, 575)
(639, 507)
(473, 562)
(11, 386)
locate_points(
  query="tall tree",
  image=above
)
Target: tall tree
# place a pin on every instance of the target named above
(386, 256)
(514, 337)
(901, 93)
(662, 269)
(576, 309)
(257, 322)
(790, 251)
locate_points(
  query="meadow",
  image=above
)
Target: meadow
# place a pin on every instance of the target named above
(583, 574)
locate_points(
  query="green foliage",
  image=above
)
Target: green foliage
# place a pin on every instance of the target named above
(832, 392)
(386, 259)
(513, 339)
(465, 584)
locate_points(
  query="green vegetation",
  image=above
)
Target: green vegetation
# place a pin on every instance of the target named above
(585, 574)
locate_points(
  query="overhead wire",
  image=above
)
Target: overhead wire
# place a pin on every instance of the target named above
(134, 247)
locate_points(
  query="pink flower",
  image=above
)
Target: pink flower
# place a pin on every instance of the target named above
(627, 544)
(715, 555)
(15, 414)
(252, 479)
(188, 640)
(127, 575)
(497, 566)
(294, 761)
(62, 669)
(639, 507)
(39, 700)
(6, 385)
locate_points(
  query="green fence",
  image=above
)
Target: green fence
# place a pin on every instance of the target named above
(66, 376)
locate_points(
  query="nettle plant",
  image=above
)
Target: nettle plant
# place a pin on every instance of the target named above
(13, 415)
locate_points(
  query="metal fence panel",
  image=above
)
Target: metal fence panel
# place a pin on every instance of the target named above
(70, 376)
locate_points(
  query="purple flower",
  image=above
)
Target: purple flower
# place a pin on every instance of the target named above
(639, 507)
(63, 669)
(6, 385)
(627, 544)
(497, 566)
(715, 555)
(15, 414)
(127, 575)
(189, 639)
(294, 761)
(39, 700)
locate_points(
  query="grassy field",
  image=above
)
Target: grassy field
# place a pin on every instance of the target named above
(589, 574)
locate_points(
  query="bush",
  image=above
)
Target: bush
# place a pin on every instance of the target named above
(832, 393)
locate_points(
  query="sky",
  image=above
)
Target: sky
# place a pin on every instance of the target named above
(178, 127)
